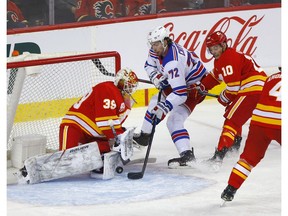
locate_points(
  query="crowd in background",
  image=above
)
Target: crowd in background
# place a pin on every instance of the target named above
(29, 13)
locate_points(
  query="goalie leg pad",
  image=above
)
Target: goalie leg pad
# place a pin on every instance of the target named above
(126, 144)
(65, 163)
(111, 161)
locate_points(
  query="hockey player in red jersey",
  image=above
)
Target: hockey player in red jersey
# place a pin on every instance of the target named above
(265, 126)
(91, 135)
(89, 119)
(244, 81)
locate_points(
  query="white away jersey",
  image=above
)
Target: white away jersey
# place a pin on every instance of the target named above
(182, 68)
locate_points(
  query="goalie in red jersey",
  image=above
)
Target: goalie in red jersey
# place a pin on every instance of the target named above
(89, 119)
(265, 126)
(91, 135)
(244, 81)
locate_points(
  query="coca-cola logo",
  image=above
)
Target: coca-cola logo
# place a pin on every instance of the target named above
(244, 41)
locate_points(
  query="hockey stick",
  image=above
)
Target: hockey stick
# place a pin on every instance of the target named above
(125, 162)
(103, 70)
(139, 175)
(141, 160)
(208, 94)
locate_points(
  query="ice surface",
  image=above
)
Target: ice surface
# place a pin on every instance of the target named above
(162, 191)
(82, 190)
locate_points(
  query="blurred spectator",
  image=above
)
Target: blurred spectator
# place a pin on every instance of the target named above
(180, 5)
(96, 9)
(235, 3)
(15, 18)
(35, 11)
(105, 9)
(142, 7)
(64, 11)
(264, 1)
(213, 3)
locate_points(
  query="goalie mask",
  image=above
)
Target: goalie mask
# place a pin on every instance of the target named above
(127, 82)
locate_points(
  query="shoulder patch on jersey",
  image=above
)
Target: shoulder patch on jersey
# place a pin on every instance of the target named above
(122, 107)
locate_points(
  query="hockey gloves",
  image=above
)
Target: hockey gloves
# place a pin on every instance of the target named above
(160, 111)
(158, 80)
(198, 91)
(224, 98)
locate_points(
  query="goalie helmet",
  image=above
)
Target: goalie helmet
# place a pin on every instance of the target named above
(126, 80)
(215, 38)
(157, 34)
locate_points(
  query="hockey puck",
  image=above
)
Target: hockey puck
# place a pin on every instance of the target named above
(119, 169)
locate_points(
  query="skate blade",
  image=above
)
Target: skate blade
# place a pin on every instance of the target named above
(212, 166)
(176, 165)
(223, 203)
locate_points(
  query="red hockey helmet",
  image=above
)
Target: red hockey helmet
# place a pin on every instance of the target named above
(215, 38)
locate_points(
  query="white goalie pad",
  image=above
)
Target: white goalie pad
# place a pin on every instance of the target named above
(64, 163)
(111, 161)
(126, 144)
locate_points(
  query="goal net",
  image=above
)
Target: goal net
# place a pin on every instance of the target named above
(41, 89)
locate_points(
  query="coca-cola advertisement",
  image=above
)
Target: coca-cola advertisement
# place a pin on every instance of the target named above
(254, 31)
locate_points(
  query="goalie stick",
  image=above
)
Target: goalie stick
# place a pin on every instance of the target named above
(139, 175)
(103, 70)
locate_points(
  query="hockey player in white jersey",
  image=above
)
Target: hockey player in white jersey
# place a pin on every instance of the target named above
(178, 72)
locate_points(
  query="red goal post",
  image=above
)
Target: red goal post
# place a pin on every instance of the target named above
(42, 87)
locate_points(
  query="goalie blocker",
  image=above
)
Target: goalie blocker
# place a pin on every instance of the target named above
(77, 160)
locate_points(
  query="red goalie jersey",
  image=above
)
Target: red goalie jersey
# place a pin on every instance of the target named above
(90, 117)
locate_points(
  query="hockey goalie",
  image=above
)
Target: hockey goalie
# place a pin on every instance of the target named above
(91, 135)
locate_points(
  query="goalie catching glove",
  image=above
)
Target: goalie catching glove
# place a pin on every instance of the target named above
(158, 80)
(160, 111)
(123, 144)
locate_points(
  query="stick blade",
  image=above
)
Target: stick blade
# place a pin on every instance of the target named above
(135, 175)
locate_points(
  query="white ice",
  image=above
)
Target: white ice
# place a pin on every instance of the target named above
(162, 191)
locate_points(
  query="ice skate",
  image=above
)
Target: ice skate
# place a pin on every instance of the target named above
(215, 162)
(141, 139)
(186, 159)
(218, 155)
(236, 145)
(228, 193)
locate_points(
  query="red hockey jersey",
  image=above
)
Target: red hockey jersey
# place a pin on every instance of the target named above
(142, 7)
(97, 9)
(240, 73)
(94, 111)
(14, 12)
(268, 110)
